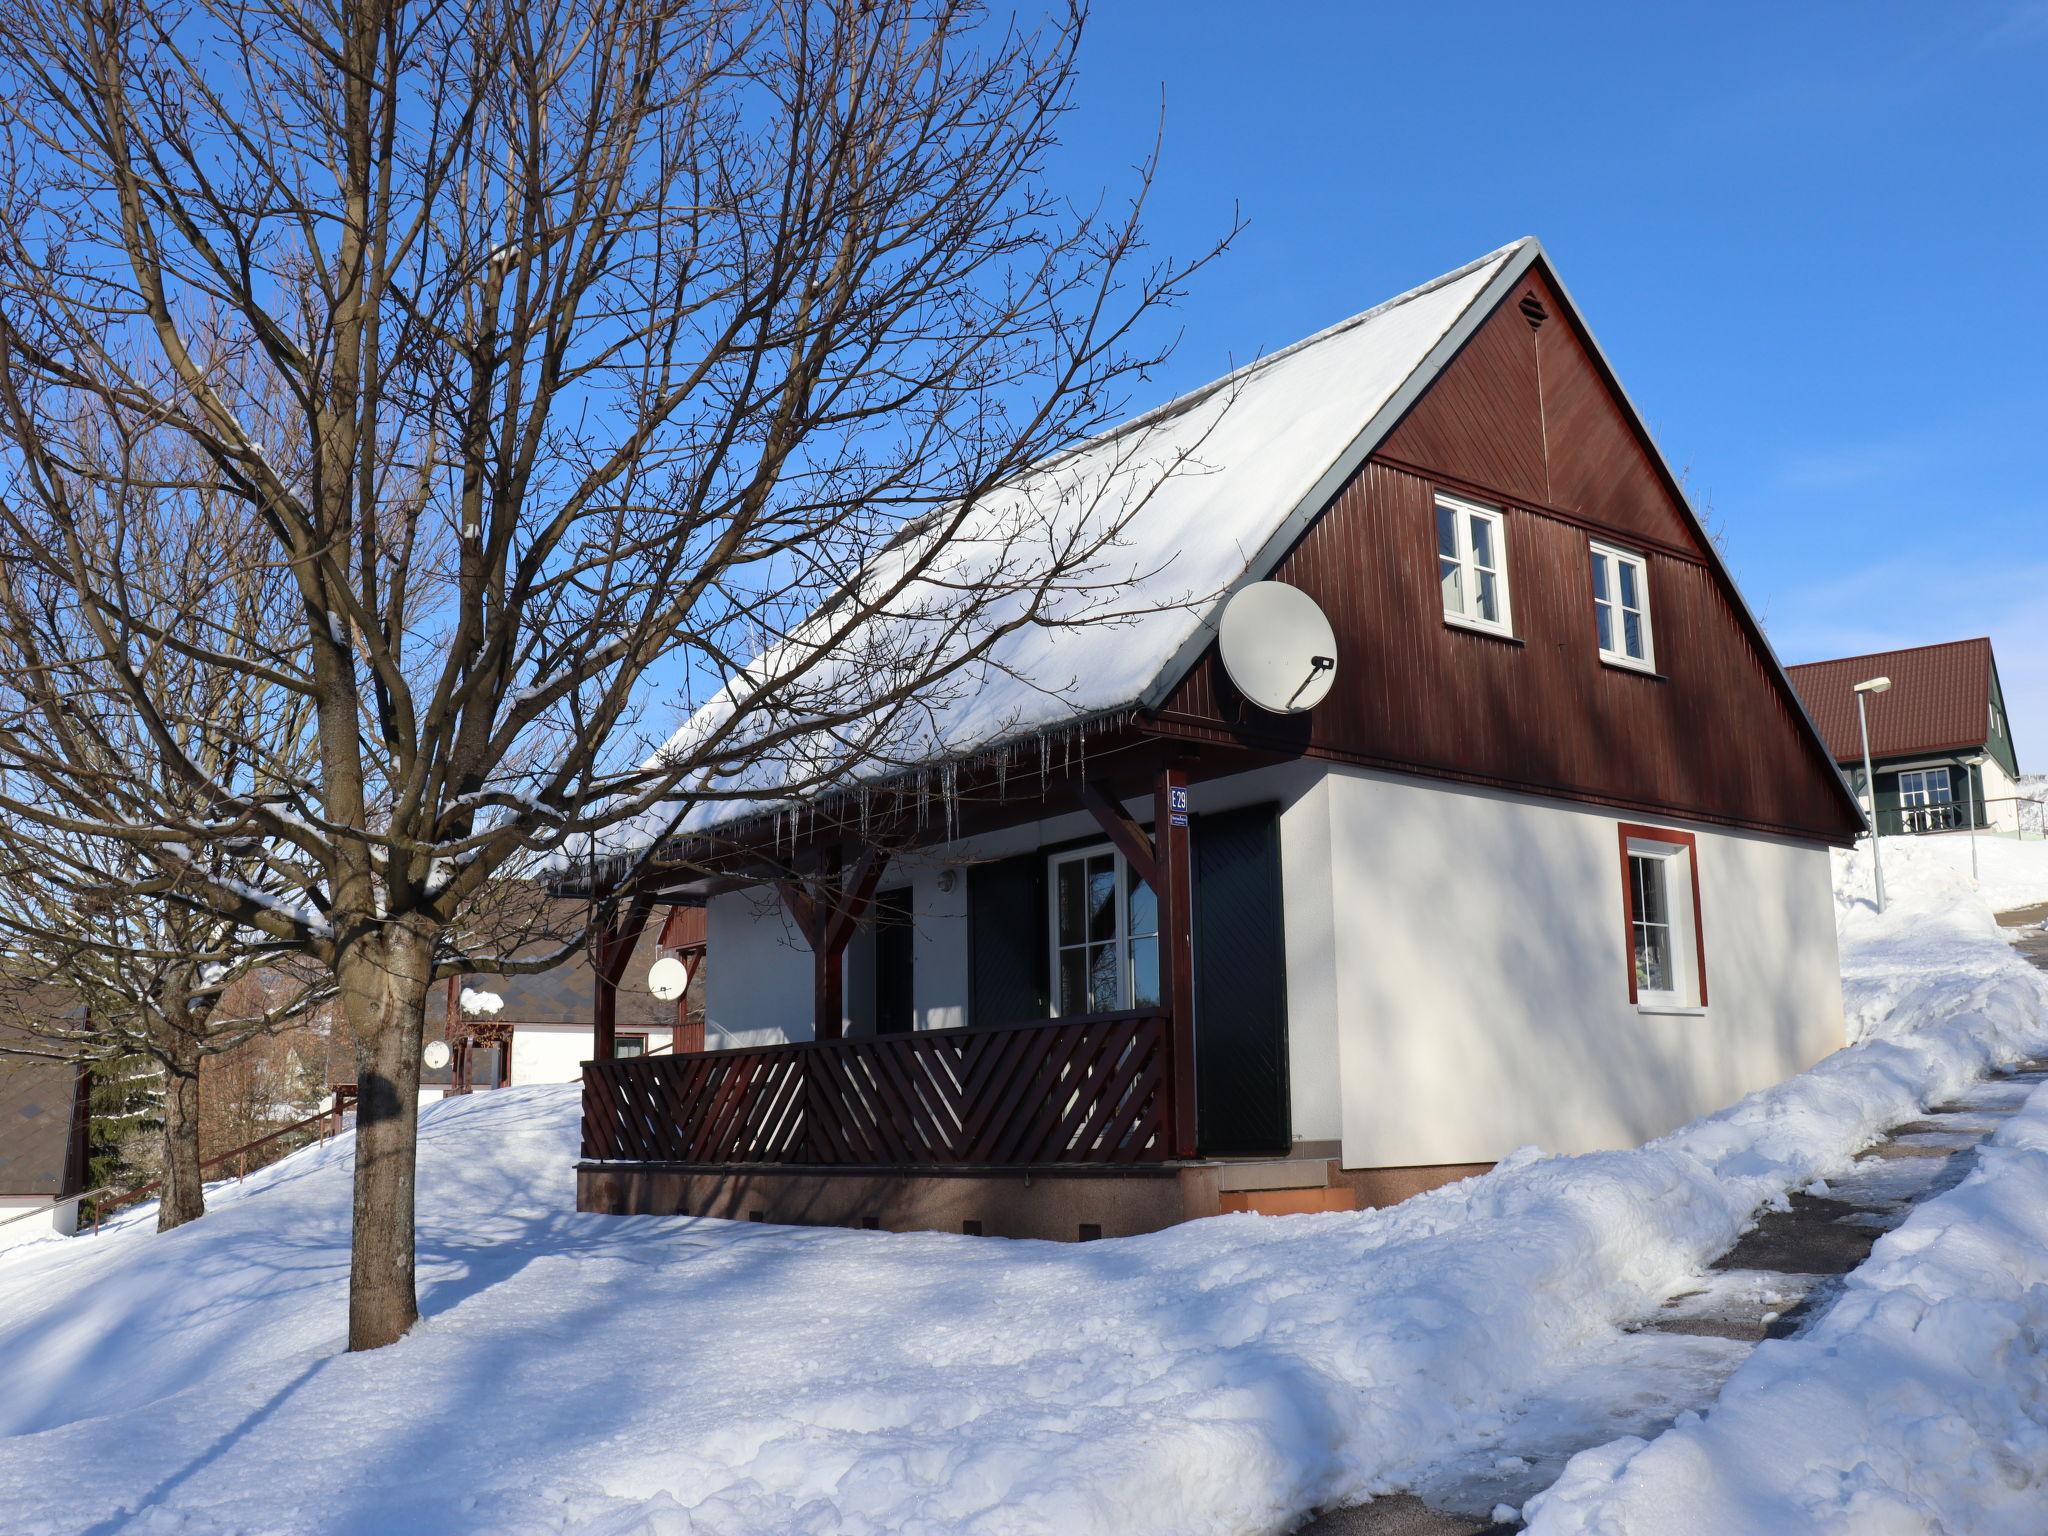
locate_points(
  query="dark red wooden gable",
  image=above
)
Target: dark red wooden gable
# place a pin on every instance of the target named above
(1523, 417)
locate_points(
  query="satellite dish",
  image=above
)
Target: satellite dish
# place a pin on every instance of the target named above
(1278, 647)
(668, 978)
(435, 1055)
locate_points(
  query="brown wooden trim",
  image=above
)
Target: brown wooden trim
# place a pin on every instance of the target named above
(1650, 834)
(616, 941)
(1202, 732)
(802, 911)
(1507, 501)
(1131, 840)
(1175, 892)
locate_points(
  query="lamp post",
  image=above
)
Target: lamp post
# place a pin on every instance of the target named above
(1864, 690)
(1970, 767)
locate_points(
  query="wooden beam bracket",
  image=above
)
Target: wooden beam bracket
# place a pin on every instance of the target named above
(1131, 840)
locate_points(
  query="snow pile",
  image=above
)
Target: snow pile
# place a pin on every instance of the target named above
(1918, 1403)
(2011, 872)
(1936, 948)
(476, 1001)
(671, 1376)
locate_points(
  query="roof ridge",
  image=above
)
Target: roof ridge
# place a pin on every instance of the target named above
(1896, 650)
(1194, 397)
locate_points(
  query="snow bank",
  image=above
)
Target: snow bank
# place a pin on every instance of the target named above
(2010, 872)
(1918, 1403)
(588, 1374)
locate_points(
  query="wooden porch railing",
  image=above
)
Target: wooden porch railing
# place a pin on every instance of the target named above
(1096, 1090)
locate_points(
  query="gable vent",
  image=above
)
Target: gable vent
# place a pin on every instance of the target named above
(1533, 311)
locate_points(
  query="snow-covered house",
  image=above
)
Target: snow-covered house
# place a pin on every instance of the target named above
(1941, 748)
(44, 1119)
(1547, 864)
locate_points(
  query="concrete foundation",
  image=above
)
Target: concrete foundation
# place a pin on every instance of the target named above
(1056, 1204)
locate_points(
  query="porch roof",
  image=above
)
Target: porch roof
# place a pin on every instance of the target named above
(1215, 485)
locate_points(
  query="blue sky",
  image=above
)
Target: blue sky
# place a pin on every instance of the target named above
(1809, 237)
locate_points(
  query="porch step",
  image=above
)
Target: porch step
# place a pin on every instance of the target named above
(1289, 1202)
(1273, 1173)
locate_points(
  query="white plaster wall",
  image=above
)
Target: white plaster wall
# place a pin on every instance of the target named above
(757, 990)
(555, 1053)
(59, 1217)
(1482, 976)
(2001, 809)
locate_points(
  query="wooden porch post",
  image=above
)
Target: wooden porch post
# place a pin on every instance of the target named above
(614, 948)
(1175, 890)
(827, 915)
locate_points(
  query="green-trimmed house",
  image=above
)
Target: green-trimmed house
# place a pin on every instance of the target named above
(1941, 747)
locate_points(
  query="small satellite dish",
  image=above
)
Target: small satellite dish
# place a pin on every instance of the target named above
(435, 1055)
(1278, 647)
(668, 978)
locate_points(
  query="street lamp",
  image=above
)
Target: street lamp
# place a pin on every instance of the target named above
(1864, 690)
(1970, 767)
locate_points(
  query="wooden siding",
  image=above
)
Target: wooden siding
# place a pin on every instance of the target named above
(1516, 420)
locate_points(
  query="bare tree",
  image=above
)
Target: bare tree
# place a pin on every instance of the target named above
(563, 355)
(117, 975)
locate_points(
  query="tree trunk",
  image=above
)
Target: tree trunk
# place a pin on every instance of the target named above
(184, 1192)
(386, 1000)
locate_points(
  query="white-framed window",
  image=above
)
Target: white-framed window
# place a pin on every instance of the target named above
(1472, 565)
(1927, 800)
(1925, 786)
(1621, 608)
(1104, 934)
(1661, 903)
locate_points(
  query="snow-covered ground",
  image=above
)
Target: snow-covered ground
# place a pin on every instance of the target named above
(670, 1376)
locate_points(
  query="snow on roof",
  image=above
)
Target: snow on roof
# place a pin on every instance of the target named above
(1208, 483)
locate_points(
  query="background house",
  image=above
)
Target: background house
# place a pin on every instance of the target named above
(509, 1031)
(44, 1120)
(1548, 864)
(1941, 747)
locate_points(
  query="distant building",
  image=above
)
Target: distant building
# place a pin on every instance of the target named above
(43, 1121)
(1945, 708)
(541, 1029)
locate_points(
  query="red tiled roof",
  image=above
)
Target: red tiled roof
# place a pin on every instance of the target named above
(1939, 701)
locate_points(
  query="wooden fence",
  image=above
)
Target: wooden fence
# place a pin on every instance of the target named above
(1088, 1090)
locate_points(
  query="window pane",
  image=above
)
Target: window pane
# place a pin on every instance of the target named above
(1145, 972)
(1447, 534)
(1653, 958)
(1489, 597)
(1599, 578)
(1101, 898)
(1073, 981)
(1104, 993)
(1632, 632)
(1483, 543)
(1603, 614)
(1650, 903)
(1453, 578)
(1630, 590)
(1144, 908)
(1069, 878)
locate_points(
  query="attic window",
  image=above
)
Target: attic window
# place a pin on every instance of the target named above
(1533, 311)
